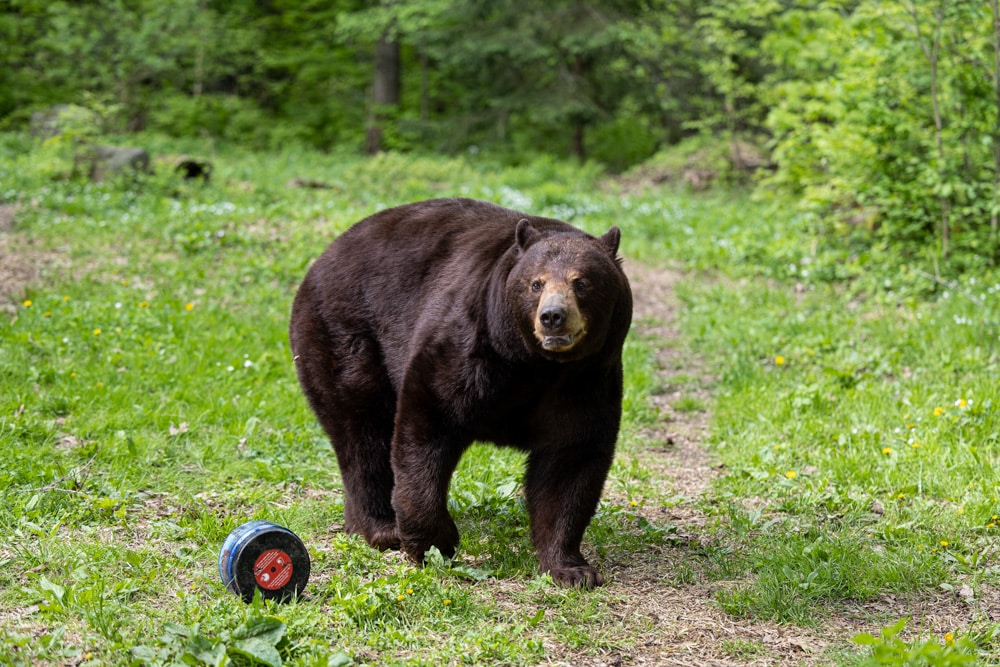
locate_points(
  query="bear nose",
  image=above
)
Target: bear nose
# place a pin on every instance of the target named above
(552, 317)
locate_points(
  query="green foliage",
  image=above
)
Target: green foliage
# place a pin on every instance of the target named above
(887, 123)
(891, 651)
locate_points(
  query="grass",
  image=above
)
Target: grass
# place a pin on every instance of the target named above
(150, 406)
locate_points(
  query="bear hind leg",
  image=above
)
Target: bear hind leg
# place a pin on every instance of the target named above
(347, 386)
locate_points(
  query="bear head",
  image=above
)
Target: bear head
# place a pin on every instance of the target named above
(567, 291)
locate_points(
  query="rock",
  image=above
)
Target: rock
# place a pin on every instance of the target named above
(100, 162)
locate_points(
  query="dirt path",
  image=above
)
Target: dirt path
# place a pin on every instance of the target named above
(666, 592)
(687, 627)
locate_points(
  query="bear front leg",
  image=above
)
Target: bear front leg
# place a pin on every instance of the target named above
(562, 491)
(422, 468)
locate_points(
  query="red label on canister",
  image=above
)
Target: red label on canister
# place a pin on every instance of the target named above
(273, 569)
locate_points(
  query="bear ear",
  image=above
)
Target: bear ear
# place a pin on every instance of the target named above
(611, 239)
(525, 234)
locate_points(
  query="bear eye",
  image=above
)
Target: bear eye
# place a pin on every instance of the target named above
(581, 286)
(536, 286)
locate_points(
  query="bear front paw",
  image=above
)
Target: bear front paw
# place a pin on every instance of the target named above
(445, 539)
(577, 576)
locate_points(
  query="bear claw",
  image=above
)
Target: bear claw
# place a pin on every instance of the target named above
(580, 576)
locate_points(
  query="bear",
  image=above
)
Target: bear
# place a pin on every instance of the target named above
(431, 325)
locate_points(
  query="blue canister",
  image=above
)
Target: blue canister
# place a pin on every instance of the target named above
(260, 555)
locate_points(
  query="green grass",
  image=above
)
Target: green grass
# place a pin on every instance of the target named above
(149, 406)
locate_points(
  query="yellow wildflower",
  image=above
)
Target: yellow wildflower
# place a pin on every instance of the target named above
(938, 412)
(779, 360)
(887, 450)
(97, 332)
(27, 303)
(791, 474)
(944, 543)
(189, 306)
(949, 638)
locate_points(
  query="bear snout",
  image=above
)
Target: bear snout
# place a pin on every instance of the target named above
(559, 326)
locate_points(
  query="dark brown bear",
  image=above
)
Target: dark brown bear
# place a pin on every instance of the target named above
(431, 325)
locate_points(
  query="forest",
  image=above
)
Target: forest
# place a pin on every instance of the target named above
(879, 117)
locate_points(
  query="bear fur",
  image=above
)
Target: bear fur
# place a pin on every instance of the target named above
(429, 326)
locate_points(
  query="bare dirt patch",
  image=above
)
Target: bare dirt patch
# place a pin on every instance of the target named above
(21, 263)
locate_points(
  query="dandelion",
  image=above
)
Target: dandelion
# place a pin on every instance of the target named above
(915, 445)
(144, 304)
(938, 412)
(791, 474)
(409, 591)
(944, 543)
(632, 503)
(991, 525)
(949, 638)
(887, 450)
(961, 403)
(900, 496)
(97, 332)
(447, 602)
(27, 303)
(48, 313)
(779, 360)
(66, 297)
(189, 307)
(400, 598)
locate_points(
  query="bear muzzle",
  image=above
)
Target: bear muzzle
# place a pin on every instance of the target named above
(559, 326)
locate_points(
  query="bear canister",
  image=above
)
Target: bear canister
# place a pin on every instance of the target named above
(263, 556)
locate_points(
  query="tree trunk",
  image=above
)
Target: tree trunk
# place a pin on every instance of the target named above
(385, 91)
(932, 52)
